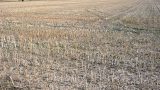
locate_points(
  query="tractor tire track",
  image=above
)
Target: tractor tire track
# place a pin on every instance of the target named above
(107, 22)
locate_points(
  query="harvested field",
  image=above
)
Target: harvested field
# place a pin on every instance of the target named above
(80, 45)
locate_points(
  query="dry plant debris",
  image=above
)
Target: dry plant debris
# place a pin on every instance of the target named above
(80, 45)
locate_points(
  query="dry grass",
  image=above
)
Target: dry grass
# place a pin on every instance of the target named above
(80, 45)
